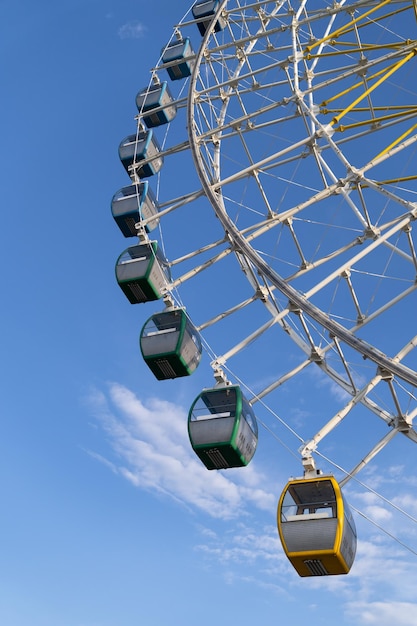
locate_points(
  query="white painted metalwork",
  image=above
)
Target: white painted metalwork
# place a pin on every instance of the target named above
(300, 124)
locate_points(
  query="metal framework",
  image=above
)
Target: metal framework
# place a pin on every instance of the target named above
(301, 125)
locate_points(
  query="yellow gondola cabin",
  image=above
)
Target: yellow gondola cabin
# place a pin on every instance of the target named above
(316, 527)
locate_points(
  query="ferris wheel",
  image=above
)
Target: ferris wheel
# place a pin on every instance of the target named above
(273, 182)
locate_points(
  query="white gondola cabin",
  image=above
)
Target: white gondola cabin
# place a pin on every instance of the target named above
(170, 344)
(142, 273)
(141, 147)
(204, 12)
(156, 105)
(222, 428)
(132, 205)
(316, 527)
(177, 53)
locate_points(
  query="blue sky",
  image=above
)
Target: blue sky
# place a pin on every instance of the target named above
(108, 517)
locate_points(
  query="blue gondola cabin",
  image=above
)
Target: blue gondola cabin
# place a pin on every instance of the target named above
(204, 12)
(142, 273)
(142, 152)
(177, 54)
(222, 428)
(316, 527)
(156, 105)
(133, 205)
(170, 344)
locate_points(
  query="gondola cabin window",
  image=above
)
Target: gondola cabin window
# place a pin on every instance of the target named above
(301, 503)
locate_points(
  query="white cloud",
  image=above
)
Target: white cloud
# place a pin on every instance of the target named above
(249, 553)
(378, 514)
(150, 448)
(407, 502)
(398, 504)
(250, 544)
(397, 475)
(321, 380)
(378, 562)
(154, 453)
(384, 613)
(132, 30)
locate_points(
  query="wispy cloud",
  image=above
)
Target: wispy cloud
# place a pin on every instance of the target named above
(248, 552)
(384, 613)
(149, 447)
(247, 545)
(132, 30)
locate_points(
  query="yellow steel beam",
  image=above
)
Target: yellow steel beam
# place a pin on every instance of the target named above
(400, 179)
(390, 181)
(361, 48)
(396, 142)
(368, 91)
(343, 29)
(388, 107)
(374, 120)
(377, 19)
(356, 85)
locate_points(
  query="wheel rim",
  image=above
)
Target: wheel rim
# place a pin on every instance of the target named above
(353, 169)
